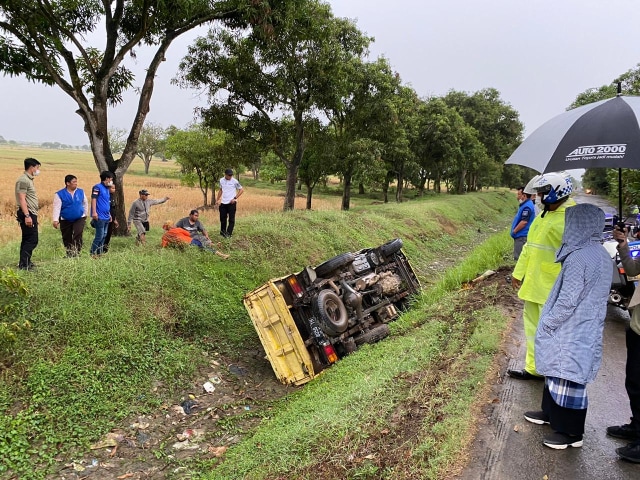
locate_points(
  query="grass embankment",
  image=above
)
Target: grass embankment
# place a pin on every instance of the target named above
(105, 331)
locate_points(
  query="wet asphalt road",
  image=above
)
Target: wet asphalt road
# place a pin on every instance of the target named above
(507, 447)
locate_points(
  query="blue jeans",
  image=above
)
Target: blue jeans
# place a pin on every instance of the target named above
(102, 226)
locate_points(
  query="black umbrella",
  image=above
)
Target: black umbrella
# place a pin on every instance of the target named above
(604, 134)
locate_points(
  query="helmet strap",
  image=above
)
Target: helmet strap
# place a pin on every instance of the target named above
(546, 209)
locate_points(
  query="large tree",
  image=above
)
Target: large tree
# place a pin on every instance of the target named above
(362, 114)
(151, 142)
(253, 82)
(203, 155)
(49, 42)
(497, 124)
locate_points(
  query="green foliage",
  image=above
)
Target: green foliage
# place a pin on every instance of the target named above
(204, 154)
(274, 84)
(14, 296)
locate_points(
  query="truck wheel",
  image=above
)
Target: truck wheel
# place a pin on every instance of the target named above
(334, 263)
(391, 247)
(331, 313)
(374, 335)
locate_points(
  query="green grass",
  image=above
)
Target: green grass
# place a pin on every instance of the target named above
(103, 331)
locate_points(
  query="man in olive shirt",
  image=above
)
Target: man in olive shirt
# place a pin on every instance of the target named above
(27, 211)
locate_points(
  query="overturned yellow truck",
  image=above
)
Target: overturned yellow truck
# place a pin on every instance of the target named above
(308, 320)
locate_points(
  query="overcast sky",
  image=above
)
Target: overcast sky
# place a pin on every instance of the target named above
(539, 54)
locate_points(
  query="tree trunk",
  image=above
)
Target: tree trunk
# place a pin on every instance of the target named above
(461, 181)
(120, 208)
(361, 188)
(294, 164)
(309, 194)
(346, 192)
(147, 163)
(290, 193)
(423, 181)
(96, 126)
(399, 190)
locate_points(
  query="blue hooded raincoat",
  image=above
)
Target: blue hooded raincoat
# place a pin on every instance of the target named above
(568, 342)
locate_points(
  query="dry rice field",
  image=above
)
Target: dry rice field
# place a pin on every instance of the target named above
(58, 163)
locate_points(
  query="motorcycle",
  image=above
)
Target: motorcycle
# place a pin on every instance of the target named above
(622, 286)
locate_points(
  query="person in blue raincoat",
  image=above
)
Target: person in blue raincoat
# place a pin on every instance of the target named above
(568, 342)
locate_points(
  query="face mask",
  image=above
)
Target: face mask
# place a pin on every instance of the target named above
(36, 173)
(109, 184)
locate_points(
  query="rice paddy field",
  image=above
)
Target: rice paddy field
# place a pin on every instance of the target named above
(163, 180)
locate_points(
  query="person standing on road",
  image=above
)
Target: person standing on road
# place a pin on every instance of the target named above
(101, 211)
(70, 207)
(227, 199)
(139, 215)
(27, 211)
(536, 270)
(568, 342)
(630, 431)
(522, 221)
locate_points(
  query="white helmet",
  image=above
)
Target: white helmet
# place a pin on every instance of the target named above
(553, 187)
(529, 188)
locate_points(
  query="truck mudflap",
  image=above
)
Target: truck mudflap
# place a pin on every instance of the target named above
(279, 335)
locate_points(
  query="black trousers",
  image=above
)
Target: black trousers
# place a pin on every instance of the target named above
(29, 239)
(72, 235)
(227, 217)
(632, 381)
(563, 420)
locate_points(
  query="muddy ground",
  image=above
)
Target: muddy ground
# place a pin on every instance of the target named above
(198, 426)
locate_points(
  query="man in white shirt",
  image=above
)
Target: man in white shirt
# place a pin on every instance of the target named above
(227, 199)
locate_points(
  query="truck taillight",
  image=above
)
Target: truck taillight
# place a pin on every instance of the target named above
(332, 357)
(295, 286)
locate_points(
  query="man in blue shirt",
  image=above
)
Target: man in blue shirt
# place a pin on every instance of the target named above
(522, 221)
(101, 211)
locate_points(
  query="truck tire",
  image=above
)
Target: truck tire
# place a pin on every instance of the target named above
(391, 247)
(334, 263)
(374, 335)
(331, 312)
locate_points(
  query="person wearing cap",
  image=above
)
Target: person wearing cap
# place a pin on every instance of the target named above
(227, 200)
(522, 221)
(139, 215)
(70, 208)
